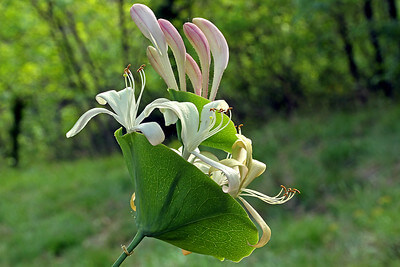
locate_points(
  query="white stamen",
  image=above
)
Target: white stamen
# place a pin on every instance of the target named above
(278, 199)
(143, 81)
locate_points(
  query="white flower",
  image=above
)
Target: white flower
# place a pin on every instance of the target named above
(125, 108)
(196, 129)
(249, 169)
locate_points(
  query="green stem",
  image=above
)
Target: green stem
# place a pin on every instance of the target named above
(136, 240)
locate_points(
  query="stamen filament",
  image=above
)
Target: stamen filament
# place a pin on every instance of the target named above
(143, 81)
(278, 199)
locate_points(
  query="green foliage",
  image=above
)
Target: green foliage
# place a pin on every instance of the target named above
(177, 203)
(225, 138)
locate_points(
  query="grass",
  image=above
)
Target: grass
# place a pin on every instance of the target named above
(346, 164)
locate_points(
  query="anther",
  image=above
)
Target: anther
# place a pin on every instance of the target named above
(284, 188)
(294, 190)
(126, 70)
(141, 67)
(230, 108)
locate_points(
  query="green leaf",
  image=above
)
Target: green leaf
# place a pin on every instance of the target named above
(222, 140)
(177, 203)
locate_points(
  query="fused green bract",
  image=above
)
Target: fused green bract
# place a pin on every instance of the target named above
(179, 204)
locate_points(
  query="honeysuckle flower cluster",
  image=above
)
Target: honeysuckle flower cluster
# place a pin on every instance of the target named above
(238, 169)
(205, 38)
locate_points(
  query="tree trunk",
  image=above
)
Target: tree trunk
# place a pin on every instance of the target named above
(167, 11)
(18, 107)
(349, 50)
(392, 9)
(383, 84)
(348, 47)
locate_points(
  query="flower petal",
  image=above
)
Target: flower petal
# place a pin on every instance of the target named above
(185, 111)
(122, 102)
(242, 149)
(149, 109)
(147, 23)
(200, 44)
(177, 46)
(162, 66)
(152, 131)
(266, 231)
(85, 118)
(232, 175)
(208, 114)
(219, 49)
(156, 62)
(255, 169)
(194, 73)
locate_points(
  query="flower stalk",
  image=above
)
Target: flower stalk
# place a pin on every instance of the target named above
(136, 240)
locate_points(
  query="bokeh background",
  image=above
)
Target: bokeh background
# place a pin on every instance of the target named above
(315, 83)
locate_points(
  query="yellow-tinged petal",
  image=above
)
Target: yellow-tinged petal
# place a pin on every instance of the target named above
(242, 149)
(132, 202)
(266, 231)
(256, 168)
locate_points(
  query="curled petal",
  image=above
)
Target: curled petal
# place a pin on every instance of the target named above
(243, 170)
(177, 46)
(242, 149)
(255, 169)
(208, 113)
(152, 131)
(147, 23)
(194, 73)
(149, 108)
(120, 102)
(86, 117)
(266, 231)
(204, 167)
(232, 175)
(219, 49)
(185, 111)
(200, 44)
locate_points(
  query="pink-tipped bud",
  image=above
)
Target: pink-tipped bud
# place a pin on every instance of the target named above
(200, 44)
(219, 49)
(194, 73)
(148, 25)
(175, 42)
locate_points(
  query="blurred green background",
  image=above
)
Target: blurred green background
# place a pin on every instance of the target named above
(315, 82)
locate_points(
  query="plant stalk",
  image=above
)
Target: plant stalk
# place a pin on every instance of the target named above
(136, 240)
